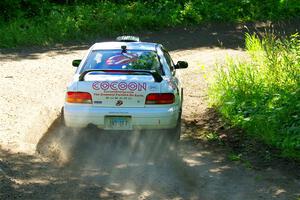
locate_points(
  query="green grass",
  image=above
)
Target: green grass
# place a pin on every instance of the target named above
(80, 23)
(43, 23)
(262, 94)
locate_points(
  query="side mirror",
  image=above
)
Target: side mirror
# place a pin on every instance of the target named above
(76, 63)
(181, 65)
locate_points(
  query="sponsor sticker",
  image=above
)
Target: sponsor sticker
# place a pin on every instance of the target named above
(119, 86)
(172, 84)
(119, 103)
(96, 85)
(153, 88)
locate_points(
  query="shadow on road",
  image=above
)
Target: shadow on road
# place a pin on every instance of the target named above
(229, 36)
(213, 132)
(126, 165)
(88, 164)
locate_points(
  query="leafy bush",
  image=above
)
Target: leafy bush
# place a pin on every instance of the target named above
(262, 94)
(44, 22)
(81, 22)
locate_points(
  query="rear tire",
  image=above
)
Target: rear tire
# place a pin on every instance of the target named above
(174, 134)
(62, 117)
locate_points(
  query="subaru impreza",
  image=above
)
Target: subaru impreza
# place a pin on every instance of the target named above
(126, 85)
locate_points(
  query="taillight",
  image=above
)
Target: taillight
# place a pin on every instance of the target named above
(160, 98)
(78, 97)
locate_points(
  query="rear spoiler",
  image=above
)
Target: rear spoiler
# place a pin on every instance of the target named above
(157, 77)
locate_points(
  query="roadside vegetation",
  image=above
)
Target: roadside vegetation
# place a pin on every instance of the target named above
(46, 22)
(261, 94)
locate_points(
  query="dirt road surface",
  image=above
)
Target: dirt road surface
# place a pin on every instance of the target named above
(59, 163)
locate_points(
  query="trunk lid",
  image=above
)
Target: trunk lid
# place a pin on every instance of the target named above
(117, 90)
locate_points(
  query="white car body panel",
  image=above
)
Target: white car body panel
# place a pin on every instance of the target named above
(108, 90)
(141, 118)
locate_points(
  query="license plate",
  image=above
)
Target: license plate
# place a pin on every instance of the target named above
(118, 123)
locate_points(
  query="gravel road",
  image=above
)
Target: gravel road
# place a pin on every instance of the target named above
(59, 163)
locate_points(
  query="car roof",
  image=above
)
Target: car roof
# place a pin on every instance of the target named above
(129, 45)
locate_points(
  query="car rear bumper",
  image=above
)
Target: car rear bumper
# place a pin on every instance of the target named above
(149, 118)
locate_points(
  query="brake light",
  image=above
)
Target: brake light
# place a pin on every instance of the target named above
(160, 98)
(78, 97)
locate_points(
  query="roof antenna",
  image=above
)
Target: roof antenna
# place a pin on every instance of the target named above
(124, 49)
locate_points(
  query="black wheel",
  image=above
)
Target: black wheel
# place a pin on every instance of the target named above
(62, 123)
(62, 118)
(174, 134)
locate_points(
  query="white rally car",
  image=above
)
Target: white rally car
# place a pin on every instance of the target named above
(126, 85)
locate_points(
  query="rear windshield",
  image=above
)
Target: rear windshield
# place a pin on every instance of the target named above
(116, 59)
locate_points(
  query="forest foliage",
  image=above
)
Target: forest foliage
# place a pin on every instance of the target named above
(44, 22)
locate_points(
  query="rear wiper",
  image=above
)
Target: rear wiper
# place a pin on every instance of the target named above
(157, 77)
